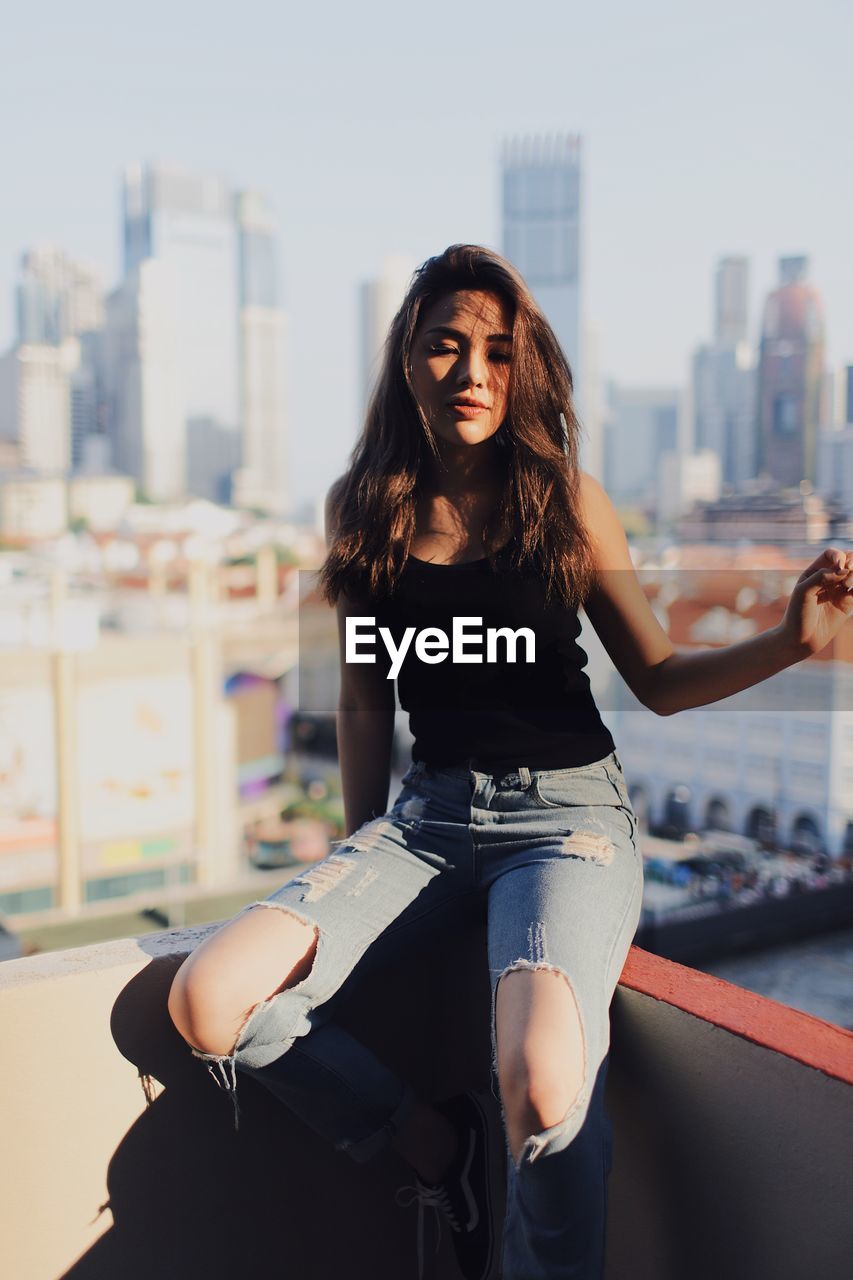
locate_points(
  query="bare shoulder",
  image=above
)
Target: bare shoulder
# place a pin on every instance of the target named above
(602, 522)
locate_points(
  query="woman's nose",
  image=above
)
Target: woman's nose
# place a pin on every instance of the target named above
(471, 370)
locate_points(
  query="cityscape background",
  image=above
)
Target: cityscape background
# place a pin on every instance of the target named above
(708, 131)
(204, 244)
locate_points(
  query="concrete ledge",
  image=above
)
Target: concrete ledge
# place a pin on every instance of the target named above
(732, 1120)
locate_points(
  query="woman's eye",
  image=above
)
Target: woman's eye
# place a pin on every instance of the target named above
(500, 356)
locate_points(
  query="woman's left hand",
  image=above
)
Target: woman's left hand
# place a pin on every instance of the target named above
(821, 601)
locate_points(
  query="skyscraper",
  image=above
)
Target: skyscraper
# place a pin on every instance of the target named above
(723, 378)
(731, 301)
(543, 236)
(643, 424)
(845, 414)
(379, 300)
(142, 384)
(35, 402)
(262, 480)
(790, 376)
(218, 252)
(56, 297)
(86, 399)
(60, 314)
(186, 222)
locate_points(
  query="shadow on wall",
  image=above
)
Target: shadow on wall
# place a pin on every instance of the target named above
(192, 1198)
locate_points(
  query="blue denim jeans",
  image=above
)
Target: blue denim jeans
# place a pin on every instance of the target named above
(552, 855)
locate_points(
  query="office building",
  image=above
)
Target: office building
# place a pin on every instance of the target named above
(186, 223)
(379, 301)
(143, 388)
(790, 377)
(641, 425)
(261, 481)
(542, 214)
(731, 301)
(835, 466)
(685, 478)
(723, 379)
(35, 402)
(219, 248)
(56, 297)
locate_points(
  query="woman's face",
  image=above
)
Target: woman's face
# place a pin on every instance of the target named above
(461, 350)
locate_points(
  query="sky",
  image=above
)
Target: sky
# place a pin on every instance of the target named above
(708, 129)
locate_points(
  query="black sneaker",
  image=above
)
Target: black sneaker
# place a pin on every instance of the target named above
(463, 1196)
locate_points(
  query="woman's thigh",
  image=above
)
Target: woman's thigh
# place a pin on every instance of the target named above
(569, 901)
(391, 881)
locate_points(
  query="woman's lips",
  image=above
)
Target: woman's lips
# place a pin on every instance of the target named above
(467, 410)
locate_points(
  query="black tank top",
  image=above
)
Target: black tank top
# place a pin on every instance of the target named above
(541, 713)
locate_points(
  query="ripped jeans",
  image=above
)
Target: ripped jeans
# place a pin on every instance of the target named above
(552, 855)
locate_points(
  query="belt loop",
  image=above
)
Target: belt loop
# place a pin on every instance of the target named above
(524, 776)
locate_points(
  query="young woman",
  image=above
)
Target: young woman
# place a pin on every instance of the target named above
(464, 504)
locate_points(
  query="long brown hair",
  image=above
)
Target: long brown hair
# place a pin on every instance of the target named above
(374, 502)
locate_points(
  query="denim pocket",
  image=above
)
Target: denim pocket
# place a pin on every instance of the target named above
(556, 802)
(618, 779)
(598, 784)
(585, 785)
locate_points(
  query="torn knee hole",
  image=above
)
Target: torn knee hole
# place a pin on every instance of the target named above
(302, 968)
(304, 965)
(577, 1101)
(536, 938)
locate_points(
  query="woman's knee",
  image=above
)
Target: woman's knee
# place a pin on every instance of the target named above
(253, 957)
(184, 1006)
(541, 1054)
(541, 1098)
